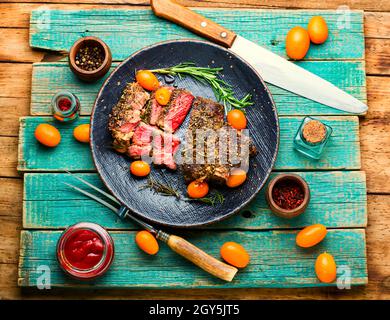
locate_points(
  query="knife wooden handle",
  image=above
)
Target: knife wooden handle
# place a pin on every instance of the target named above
(201, 258)
(195, 22)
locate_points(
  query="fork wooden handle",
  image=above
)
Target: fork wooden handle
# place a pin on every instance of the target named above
(201, 258)
(193, 21)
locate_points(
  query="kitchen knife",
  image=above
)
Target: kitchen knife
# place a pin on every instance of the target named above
(272, 68)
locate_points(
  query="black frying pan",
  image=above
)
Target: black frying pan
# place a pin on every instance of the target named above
(263, 127)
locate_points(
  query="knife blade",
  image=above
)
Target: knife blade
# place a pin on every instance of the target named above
(271, 67)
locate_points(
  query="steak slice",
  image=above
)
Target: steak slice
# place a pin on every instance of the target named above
(133, 120)
(143, 134)
(174, 113)
(163, 151)
(136, 151)
(206, 118)
(155, 112)
(206, 114)
(153, 109)
(151, 141)
(126, 114)
(212, 147)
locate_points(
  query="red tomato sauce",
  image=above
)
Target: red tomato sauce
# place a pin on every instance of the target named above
(84, 249)
(64, 104)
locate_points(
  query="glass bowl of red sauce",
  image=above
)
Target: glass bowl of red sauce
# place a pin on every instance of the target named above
(85, 250)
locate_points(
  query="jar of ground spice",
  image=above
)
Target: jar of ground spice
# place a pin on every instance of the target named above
(65, 106)
(312, 137)
(288, 195)
(90, 58)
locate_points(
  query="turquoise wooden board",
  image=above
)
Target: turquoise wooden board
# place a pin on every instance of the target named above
(338, 200)
(276, 261)
(342, 151)
(348, 75)
(338, 197)
(126, 31)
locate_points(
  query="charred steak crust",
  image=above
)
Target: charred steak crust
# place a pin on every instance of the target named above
(126, 114)
(206, 115)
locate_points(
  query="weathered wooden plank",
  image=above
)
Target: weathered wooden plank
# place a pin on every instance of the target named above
(331, 4)
(127, 31)
(374, 155)
(350, 76)
(17, 15)
(9, 238)
(69, 155)
(375, 144)
(378, 257)
(378, 89)
(378, 56)
(14, 46)
(378, 232)
(8, 152)
(377, 25)
(11, 110)
(378, 94)
(276, 261)
(342, 152)
(10, 196)
(338, 201)
(15, 80)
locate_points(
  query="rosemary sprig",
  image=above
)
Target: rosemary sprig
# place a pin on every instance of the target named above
(222, 90)
(216, 198)
(168, 190)
(159, 187)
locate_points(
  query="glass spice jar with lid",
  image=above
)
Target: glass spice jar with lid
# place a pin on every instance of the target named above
(65, 106)
(312, 137)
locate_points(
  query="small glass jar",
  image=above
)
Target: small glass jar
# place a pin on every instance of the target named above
(65, 106)
(312, 137)
(85, 250)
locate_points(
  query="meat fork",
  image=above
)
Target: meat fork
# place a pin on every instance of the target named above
(177, 244)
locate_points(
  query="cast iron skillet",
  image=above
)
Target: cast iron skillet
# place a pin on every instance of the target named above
(113, 167)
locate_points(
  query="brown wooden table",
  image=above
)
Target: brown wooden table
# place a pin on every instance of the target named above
(16, 59)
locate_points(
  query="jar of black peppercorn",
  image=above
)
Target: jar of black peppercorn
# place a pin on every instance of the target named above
(90, 58)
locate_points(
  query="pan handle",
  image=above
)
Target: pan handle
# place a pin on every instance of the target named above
(195, 22)
(199, 257)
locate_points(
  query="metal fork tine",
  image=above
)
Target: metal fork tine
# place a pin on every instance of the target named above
(95, 188)
(90, 195)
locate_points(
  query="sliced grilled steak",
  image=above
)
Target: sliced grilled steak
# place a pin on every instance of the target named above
(174, 113)
(164, 148)
(206, 114)
(150, 140)
(133, 122)
(213, 147)
(125, 115)
(153, 109)
(143, 134)
(136, 151)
